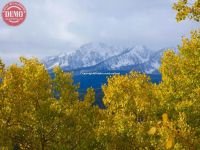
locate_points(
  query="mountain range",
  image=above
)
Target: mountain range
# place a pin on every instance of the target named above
(101, 57)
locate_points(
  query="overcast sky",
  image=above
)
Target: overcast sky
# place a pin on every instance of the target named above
(59, 26)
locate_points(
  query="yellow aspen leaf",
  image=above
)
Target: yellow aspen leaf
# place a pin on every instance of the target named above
(169, 143)
(165, 117)
(152, 131)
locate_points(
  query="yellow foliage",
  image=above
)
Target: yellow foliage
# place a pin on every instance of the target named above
(152, 131)
(39, 111)
(187, 8)
(169, 143)
(165, 118)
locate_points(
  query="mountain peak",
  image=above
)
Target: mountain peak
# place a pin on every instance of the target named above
(102, 56)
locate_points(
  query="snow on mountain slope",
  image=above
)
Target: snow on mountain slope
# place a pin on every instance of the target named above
(136, 55)
(53, 61)
(87, 55)
(100, 56)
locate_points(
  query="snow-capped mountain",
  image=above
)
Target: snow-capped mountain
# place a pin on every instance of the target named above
(95, 57)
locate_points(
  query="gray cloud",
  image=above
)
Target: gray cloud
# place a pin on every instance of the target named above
(53, 26)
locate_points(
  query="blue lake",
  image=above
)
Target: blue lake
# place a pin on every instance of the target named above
(96, 81)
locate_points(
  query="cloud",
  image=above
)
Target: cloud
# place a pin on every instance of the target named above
(53, 26)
